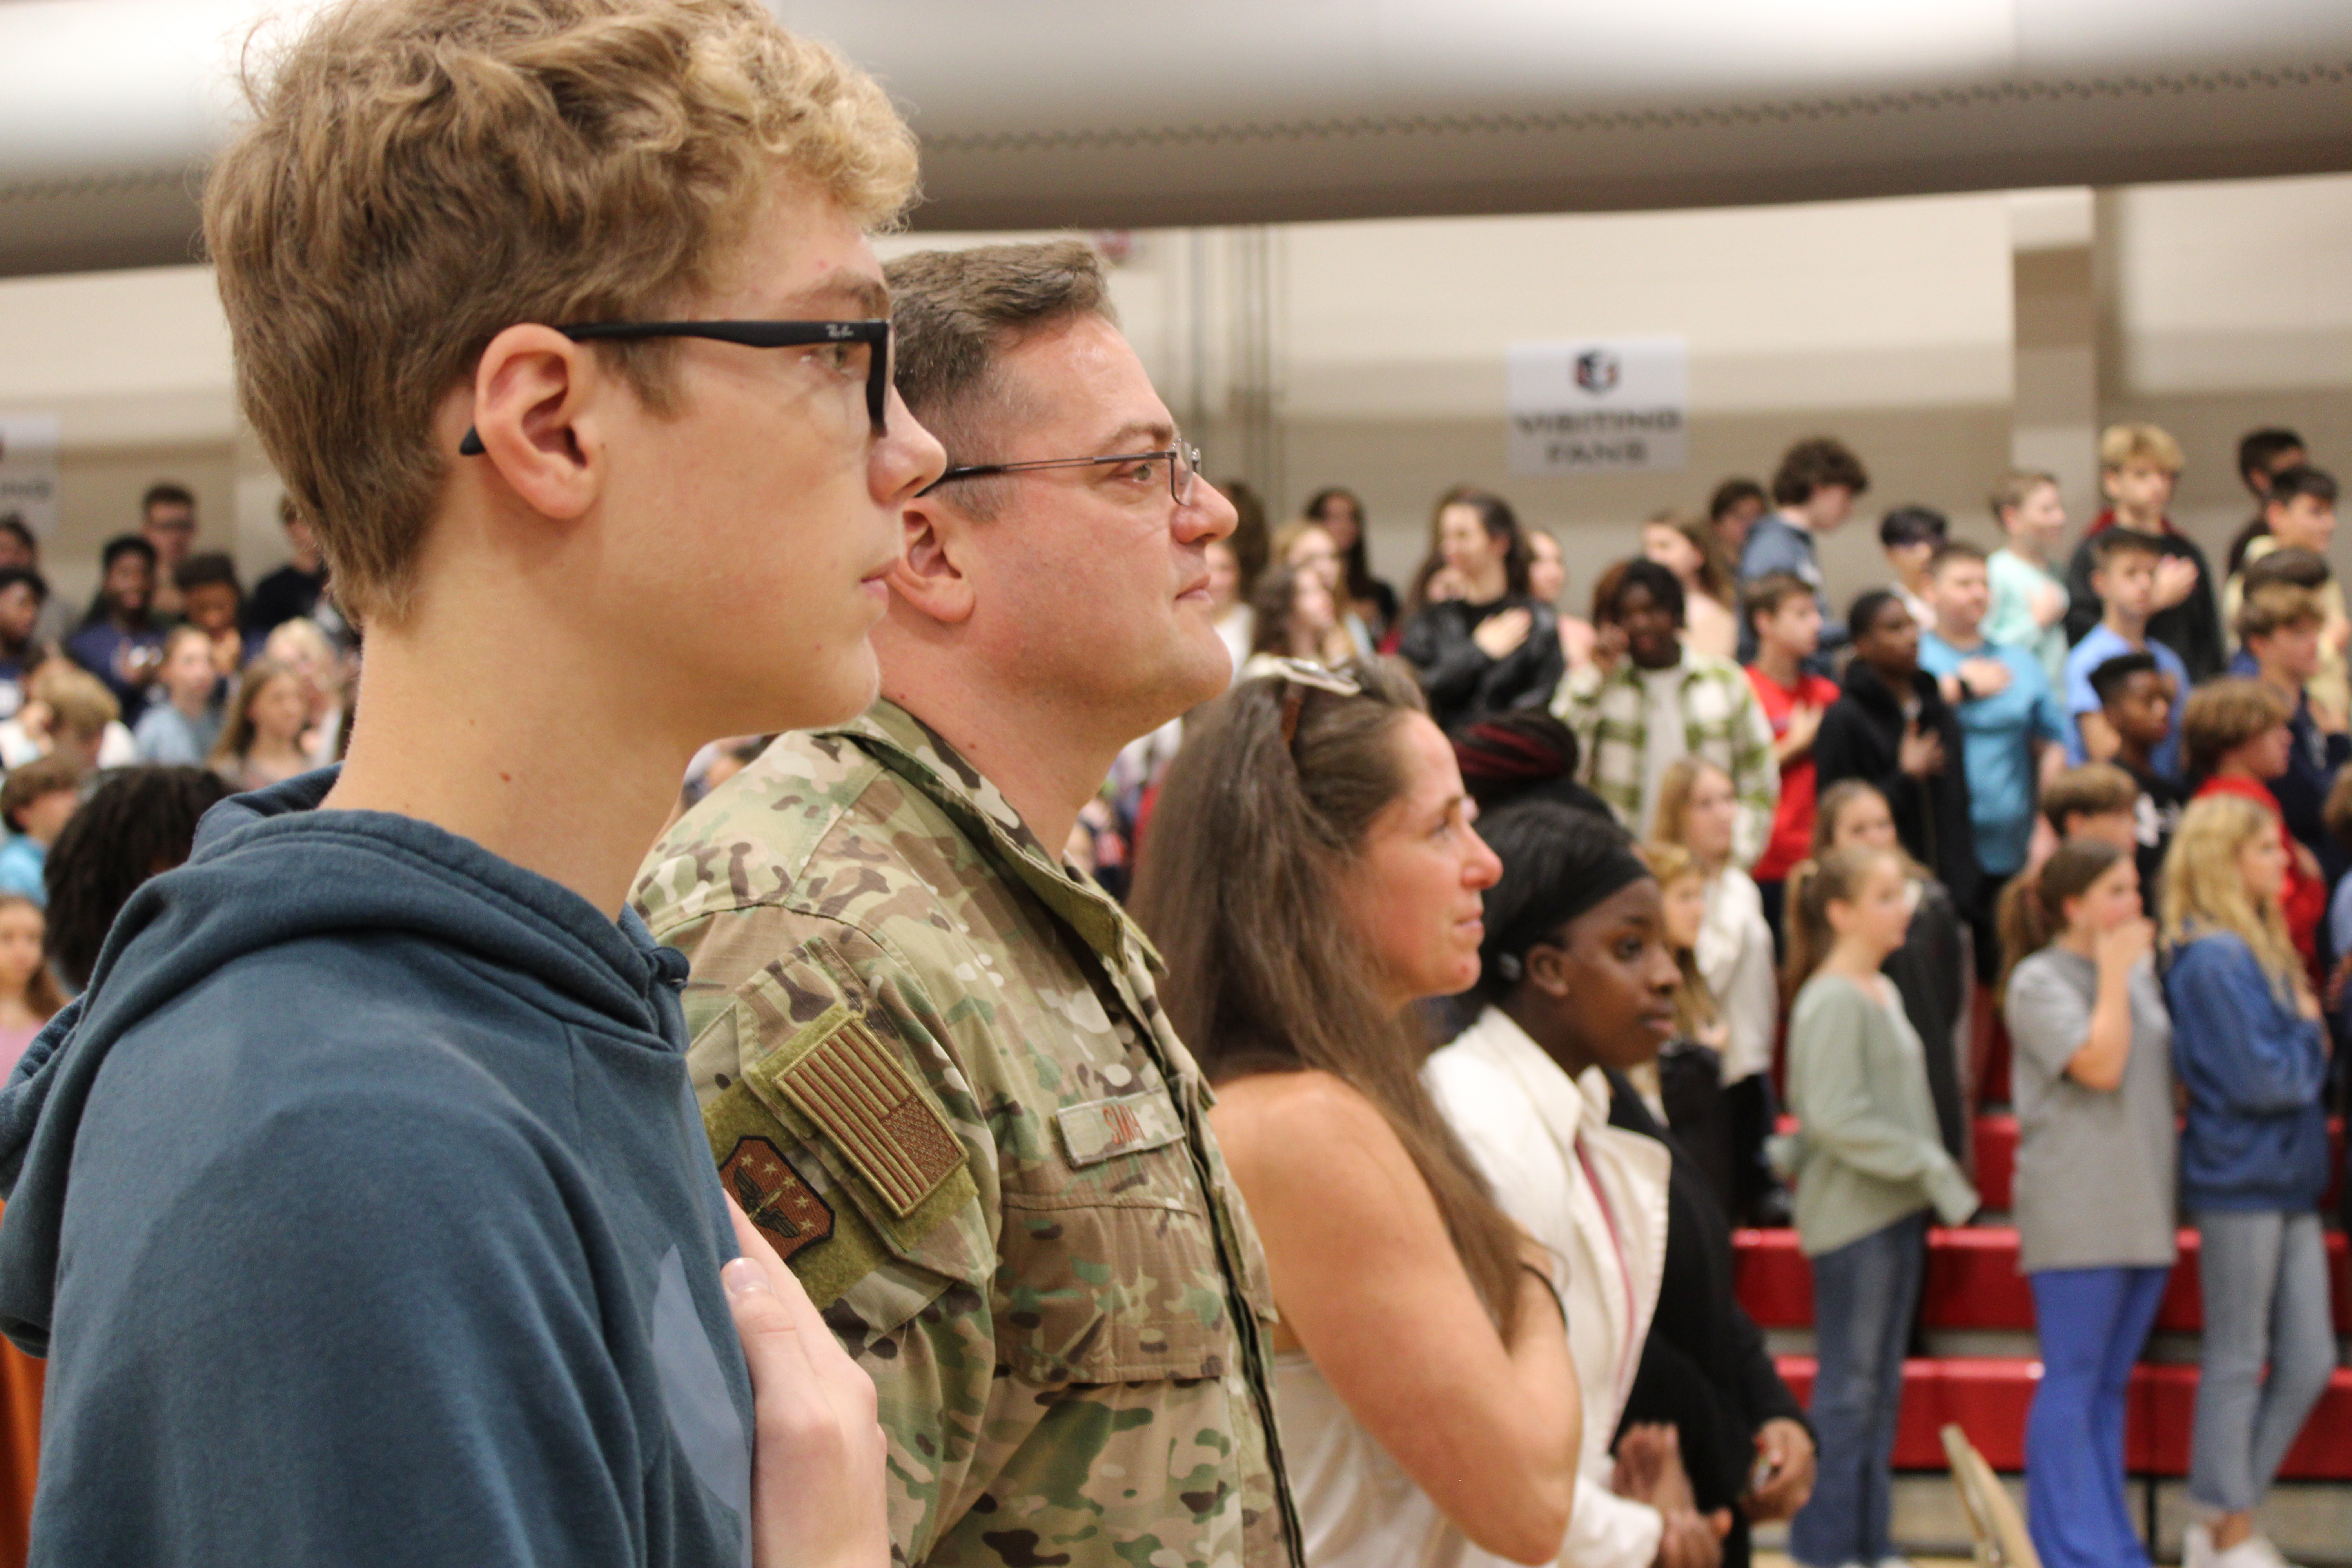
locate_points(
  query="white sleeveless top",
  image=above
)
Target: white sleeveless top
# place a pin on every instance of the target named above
(1357, 1506)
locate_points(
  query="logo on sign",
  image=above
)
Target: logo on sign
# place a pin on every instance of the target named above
(1597, 370)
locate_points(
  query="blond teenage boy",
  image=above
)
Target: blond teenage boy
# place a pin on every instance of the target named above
(394, 1235)
(2140, 465)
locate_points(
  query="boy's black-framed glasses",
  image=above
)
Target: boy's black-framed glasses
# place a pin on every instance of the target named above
(1183, 460)
(875, 335)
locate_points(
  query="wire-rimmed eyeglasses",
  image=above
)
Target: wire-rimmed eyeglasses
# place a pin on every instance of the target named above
(1183, 460)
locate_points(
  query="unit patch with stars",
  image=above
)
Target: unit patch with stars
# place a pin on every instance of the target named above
(774, 1198)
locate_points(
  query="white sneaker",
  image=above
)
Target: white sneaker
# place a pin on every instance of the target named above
(2254, 1551)
(2196, 1545)
(2271, 1555)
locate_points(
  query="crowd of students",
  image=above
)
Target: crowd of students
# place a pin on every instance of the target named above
(1993, 781)
(429, 1165)
(1839, 838)
(172, 665)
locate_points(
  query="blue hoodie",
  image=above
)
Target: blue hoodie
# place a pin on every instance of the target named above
(2254, 1070)
(363, 1211)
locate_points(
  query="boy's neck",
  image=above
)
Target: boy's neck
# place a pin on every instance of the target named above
(1780, 666)
(2133, 752)
(2284, 681)
(552, 763)
(2139, 522)
(2026, 547)
(193, 707)
(1954, 638)
(2133, 629)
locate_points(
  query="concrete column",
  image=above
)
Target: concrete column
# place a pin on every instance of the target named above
(2055, 423)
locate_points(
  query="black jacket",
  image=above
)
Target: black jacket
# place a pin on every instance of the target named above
(1705, 1367)
(1932, 972)
(1463, 685)
(2191, 628)
(1861, 738)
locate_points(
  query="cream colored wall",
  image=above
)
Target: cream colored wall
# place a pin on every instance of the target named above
(2229, 305)
(1895, 324)
(136, 366)
(1886, 322)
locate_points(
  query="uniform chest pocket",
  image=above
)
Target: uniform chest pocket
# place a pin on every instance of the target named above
(1110, 1269)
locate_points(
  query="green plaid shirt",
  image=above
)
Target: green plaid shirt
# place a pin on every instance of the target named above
(1722, 721)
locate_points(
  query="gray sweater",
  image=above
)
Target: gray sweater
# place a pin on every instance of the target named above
(2094, 1166)
(1867, 1151)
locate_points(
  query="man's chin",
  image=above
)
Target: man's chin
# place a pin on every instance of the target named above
(1198, 669)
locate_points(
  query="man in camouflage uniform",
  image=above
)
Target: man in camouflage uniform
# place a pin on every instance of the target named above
(931, 1063)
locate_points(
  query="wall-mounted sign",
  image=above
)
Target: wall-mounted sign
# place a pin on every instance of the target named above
(29, 470)
(1599, 405)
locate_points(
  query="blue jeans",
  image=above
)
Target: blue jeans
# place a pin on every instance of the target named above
(1863, 1293)
(2093, 1322)
(2265, 1275)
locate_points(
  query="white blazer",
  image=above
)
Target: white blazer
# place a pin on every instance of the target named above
(1594, 1194)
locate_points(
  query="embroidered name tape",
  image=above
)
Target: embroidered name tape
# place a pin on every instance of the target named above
(1101, 1129)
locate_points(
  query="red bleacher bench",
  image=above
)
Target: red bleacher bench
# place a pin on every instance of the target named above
(1972, 1281)
(1988, 1399)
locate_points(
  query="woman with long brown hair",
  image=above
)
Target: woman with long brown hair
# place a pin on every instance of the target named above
(1312, 877)
(1688, 548)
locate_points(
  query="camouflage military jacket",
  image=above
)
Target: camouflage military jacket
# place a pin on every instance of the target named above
(934, 1070)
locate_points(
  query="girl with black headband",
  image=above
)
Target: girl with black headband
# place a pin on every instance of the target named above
(1311, 878)
(1577, 986)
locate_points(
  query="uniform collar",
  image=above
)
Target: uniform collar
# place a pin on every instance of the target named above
(923, 758)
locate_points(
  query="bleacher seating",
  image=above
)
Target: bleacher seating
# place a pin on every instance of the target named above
(1987, 1398)
(1972, 1285)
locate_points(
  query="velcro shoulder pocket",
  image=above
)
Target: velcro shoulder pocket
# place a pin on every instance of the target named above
(836, 1150)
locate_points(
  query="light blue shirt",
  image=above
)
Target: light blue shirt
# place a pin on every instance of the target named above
(167, 735)
(2101, 644)
(2010, 619)
(21, 859)
(1996, 736)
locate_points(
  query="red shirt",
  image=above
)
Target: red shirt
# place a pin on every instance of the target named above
(1792, 820)
(2304, 904)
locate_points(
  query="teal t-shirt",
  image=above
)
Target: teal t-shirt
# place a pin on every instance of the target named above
(1996, 736)
(2010, 618)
